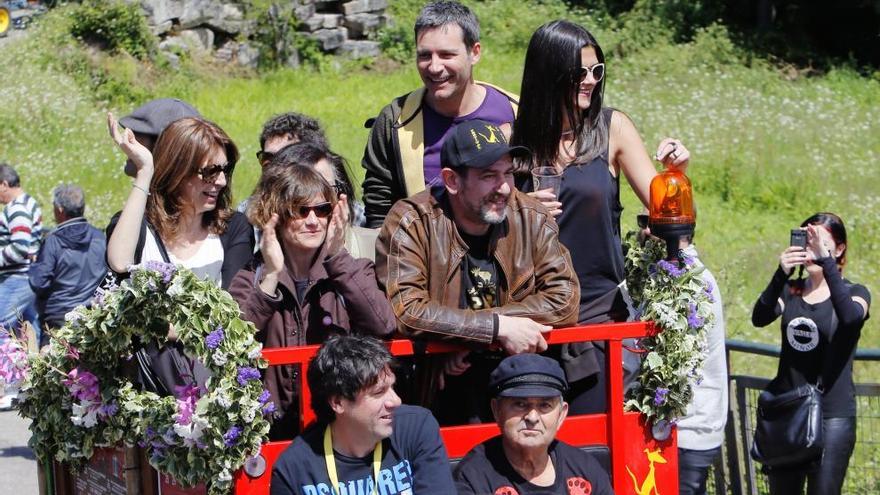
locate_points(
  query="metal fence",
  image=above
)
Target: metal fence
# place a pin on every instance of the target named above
(736, 474)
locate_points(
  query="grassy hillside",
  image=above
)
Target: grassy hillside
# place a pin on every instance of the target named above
(770, 146)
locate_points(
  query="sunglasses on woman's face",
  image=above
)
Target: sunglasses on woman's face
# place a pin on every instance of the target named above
(322, 210)
(597, 71)
(209, 173)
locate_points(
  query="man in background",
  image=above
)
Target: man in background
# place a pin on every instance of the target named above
(71, 262)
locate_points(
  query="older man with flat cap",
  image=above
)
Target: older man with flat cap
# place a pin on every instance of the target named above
(526, 458)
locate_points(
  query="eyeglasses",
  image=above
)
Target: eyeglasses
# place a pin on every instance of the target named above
(597, 71)
(265, 157)
(210, 173)
(642, 220)
(321, 210)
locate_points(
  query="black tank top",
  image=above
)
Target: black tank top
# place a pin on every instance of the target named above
(589, 227)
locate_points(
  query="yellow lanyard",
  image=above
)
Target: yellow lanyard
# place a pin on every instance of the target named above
(331, 463)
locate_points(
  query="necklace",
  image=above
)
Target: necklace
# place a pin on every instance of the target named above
(330, 460)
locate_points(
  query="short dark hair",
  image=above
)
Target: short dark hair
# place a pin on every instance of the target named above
(439, 14)
(70, 199)
(345, 365)
(9, 175)
(303, 127)
(309, 154)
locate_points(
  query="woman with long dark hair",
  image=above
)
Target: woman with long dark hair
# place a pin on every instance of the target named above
(562, 120)
(822, 319)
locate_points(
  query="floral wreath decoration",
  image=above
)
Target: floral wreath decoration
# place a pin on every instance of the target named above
(79, 399)
(673, 296)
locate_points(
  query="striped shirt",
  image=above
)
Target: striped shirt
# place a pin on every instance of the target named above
(21, 229)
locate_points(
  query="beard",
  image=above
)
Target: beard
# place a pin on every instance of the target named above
(489, 215)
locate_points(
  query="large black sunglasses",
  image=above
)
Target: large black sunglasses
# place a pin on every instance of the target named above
(209, 173)
(322, 210)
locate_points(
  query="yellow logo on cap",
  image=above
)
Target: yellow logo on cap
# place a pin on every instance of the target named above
(491, 138)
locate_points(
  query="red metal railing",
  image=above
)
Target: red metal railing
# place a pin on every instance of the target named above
(614, 429)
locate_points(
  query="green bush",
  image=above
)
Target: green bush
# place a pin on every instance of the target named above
(117, 25)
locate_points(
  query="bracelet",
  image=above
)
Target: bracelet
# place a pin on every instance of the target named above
(140, 188)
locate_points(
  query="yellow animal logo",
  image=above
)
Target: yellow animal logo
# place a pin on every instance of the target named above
(491, 138)
(649, 485)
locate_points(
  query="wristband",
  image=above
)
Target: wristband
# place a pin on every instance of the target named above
(140, 188)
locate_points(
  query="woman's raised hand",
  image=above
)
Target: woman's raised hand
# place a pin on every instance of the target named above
(549, 200)
(820, 244)
(671, 152)
(336, 227)
(792, 256)
(273, 256)
(139, 155)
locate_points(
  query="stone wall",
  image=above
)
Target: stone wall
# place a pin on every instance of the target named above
(216, 26)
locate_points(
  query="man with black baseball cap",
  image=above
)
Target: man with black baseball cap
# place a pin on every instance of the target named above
(474, 260)
(150, 119)
(526, 458)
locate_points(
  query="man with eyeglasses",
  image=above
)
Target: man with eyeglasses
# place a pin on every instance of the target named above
(526, 458)
(402, 156)
(474, 261)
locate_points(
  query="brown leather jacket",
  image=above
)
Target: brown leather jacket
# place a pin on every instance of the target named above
(418, 262)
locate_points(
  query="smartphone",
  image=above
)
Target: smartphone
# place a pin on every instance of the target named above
(798, 238)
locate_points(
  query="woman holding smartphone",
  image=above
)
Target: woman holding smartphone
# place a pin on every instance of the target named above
(822, 318)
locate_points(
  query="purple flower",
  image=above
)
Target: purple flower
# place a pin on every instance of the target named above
(186, 404)
(694, 320)
(82, 385)
(167, 270)
(231, 436)
(108, 410)
(671, 268)
(709, 296)
(247, 373)
(264, 397)
(213, 340)
(688, 260)
(660, 396)
(269, 409)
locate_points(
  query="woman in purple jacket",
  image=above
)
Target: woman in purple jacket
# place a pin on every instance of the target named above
(304, 286)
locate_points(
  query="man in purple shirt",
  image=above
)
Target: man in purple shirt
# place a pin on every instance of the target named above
(402, 156)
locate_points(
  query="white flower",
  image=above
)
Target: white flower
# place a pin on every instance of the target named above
(256, 351)
(85, 414)
(176, 287)
(192, 432)
(224, 475)
(248, 414)
(74, 315)
(219, 358)
(224, 401)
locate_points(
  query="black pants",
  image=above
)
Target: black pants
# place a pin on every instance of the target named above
(825, 477)
(693, 469)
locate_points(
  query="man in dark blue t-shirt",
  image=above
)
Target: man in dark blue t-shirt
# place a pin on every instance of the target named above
(365, 441)
(527, 458)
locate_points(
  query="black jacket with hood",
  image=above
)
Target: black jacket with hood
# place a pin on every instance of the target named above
(69, 267)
